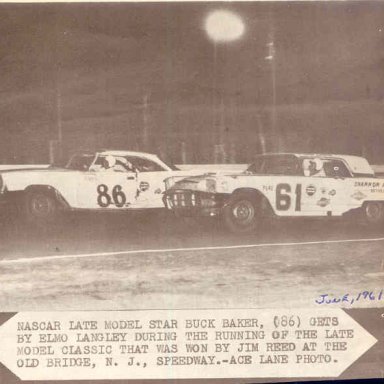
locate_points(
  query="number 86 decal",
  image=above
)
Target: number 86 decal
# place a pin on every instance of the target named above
(104, 199)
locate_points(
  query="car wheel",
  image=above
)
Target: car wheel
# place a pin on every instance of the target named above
(241, 214)
(373, 212)
(40, 207)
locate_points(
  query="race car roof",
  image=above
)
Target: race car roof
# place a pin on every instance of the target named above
(150, 156)
(357, 164)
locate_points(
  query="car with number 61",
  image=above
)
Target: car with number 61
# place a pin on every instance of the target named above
(99, 181)
(282, 185)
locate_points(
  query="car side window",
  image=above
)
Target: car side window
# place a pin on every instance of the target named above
(282, 165)
(111, 163)
(313, 167)
(144, 165)
(336, 169)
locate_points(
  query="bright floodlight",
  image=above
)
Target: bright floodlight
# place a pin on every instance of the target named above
(223, 26)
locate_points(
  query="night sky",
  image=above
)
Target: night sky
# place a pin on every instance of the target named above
(106, 70)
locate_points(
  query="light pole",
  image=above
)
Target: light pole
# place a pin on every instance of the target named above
(272, 58)
(221, 26)
(145, 135)
(55, 146)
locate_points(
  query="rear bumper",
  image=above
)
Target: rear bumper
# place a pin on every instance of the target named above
(7, 201)
(194, 203)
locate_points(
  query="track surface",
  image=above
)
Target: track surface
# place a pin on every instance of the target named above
(90, 262)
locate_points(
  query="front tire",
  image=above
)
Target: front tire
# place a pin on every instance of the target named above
(242, 214)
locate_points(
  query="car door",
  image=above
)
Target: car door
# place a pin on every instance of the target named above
(150, 182)
(283, 185)
(107, 190)
(325, 194)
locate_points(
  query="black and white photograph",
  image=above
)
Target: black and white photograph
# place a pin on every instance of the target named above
(194, 156)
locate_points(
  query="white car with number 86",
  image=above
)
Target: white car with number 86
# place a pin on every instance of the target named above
(103, 181)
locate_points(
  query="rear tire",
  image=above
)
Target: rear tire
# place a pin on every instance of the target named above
(40, 207)
(373, 212)
(242, 213)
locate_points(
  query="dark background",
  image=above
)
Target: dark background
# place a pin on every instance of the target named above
(147, 77)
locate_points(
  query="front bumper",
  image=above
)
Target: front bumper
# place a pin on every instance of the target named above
(193, 203)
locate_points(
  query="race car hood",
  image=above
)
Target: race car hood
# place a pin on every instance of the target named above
(208, 182)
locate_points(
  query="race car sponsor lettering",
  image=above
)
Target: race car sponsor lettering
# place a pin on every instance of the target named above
(370, 184)
(323, 202)
(311, 190)
(267, 188)
(358, 195)
(144, 186)
(104, 199)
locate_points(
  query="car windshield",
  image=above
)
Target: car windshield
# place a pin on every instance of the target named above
(80, 162)
(256, 166)
(170, 165)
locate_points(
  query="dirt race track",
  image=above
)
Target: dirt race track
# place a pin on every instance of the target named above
(152, 261)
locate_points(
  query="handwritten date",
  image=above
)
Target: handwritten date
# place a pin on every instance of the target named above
(349, 298)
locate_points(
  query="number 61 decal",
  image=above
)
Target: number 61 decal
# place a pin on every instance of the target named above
(284, 199)
(104, 199)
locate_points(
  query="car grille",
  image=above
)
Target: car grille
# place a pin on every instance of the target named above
(182, 199)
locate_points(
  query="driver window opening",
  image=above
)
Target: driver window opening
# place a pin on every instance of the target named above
(111, 163)
(144, 165)
(315, 167)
